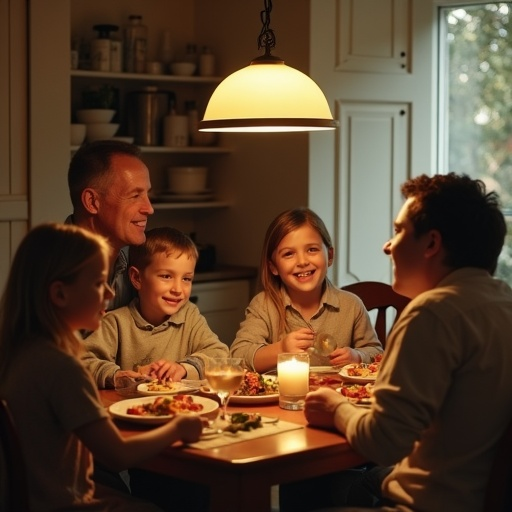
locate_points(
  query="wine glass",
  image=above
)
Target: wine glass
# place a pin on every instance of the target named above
(224, 375)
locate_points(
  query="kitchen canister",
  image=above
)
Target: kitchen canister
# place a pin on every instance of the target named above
(175, 131)
(206, 62)
(151, 106)
(101, 47)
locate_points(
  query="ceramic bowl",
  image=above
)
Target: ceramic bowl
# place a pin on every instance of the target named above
(77, 133)
(101, 131)
(95, 115)
(187, 180)
(183, 68)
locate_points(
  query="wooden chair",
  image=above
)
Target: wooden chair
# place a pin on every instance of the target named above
(13, 477)
(498, 494)
(379, 296)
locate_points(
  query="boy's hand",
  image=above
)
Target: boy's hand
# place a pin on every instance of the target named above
(167, 370)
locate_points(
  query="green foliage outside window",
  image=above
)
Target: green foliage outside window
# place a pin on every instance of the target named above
(476, 52)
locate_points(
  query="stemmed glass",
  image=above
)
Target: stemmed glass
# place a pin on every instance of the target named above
(224, 375)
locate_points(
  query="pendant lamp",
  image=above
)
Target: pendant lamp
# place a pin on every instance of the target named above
(267, 96)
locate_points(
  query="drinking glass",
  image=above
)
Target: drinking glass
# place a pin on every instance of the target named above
(224, 375)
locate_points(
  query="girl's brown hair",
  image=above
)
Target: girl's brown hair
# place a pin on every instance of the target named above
(162, 240)
(285, 223)
(48, 253)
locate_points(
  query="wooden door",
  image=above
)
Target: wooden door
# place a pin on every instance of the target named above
(375, 62)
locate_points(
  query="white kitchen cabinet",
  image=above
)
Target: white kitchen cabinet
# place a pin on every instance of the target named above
(223, 305)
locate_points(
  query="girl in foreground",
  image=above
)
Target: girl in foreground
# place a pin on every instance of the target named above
(56, 286)
(299, 303)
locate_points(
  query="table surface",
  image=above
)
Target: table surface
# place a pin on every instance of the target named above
(240, 475)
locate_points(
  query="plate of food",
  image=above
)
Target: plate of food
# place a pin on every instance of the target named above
(256, 389)
(324, 379)
(157, 387)
(160, 409)
(363, 372)
(359, 394)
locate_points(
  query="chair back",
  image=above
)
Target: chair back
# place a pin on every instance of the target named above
(13, 477)
(498, 493)
(379, 296)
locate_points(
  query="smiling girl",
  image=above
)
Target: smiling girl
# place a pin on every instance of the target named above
(298, 303)
(57, 285)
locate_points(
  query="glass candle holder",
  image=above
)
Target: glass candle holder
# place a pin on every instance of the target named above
(293, 377)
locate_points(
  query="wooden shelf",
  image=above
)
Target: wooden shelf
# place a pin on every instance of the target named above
(146, 77)
(191, 150)
(190, 205)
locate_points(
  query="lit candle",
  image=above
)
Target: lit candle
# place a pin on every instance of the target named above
(293, 374)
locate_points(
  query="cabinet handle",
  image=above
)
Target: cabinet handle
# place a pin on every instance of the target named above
(194, 299)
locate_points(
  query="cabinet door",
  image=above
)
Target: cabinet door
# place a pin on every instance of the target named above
(387, 120)
(223, 305)
(373, 36)
(368, 185)
(13, 131)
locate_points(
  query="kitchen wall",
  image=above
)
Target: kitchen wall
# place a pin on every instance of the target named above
(263, 176)
(268, 173)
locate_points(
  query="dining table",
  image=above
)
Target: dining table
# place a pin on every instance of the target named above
(241, 473)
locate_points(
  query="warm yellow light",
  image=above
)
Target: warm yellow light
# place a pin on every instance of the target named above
(267, 97)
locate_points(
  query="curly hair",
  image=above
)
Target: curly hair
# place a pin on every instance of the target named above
(469, 218)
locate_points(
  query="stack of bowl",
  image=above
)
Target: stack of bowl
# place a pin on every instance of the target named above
(97, 122)
(187, 180)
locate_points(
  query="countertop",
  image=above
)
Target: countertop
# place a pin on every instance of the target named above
(226, 272)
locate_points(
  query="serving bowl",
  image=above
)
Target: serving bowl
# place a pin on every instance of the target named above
(101, 131)
(183, 68)
(95, 115)
(187, 180)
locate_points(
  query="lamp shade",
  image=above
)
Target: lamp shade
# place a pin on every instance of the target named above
(267, 96)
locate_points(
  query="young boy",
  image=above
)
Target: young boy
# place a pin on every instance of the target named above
(159, 334)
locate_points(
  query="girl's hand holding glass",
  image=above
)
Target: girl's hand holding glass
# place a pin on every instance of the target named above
(298, 341)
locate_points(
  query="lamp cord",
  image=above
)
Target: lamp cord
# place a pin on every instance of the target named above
(267, 37)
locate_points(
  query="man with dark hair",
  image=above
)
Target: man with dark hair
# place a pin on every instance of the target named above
(448, 358)
(109, 185)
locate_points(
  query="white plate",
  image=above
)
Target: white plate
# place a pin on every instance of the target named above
(255, 399)
(355, 378)
(118, 410)
(178, 387)
(366, 402)
(323, 369)
(258, 399)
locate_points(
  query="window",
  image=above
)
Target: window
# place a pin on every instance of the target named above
(475, 137)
